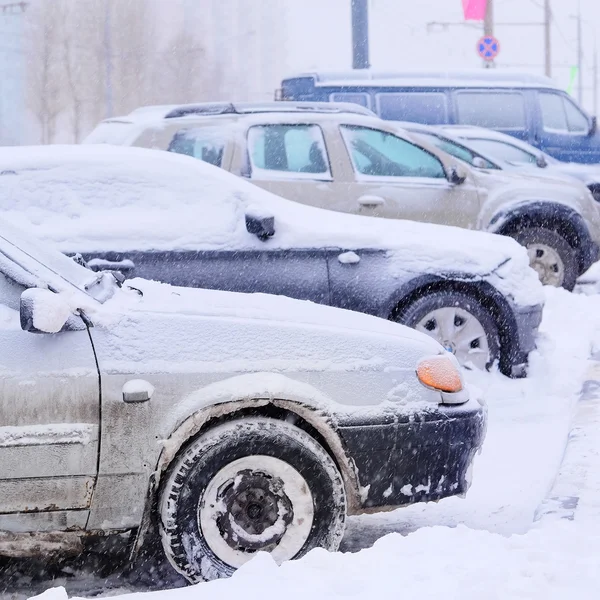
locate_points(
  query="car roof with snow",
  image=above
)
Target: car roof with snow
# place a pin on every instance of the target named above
(104, 198)
(505, 78)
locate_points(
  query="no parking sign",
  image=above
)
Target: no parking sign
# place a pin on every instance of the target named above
(488, 47)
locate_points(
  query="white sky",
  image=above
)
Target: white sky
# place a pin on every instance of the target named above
(319, 36)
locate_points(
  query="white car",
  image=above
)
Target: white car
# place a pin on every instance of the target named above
(163, 216)
(239, 423)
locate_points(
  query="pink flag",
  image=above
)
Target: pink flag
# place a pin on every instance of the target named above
(474, 9)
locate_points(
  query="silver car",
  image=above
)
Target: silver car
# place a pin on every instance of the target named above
(231, 423)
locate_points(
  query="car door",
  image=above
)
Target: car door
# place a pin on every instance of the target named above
(389, 176)
(49, 427)
(563, 129)
(295, 272)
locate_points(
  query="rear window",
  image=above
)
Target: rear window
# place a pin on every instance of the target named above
(494, 110)
(112, 132)
(430, 108)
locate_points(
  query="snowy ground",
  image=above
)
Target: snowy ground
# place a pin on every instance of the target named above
(505, 540)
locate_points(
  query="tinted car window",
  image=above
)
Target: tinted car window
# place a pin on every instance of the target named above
(204, 143)
(362, 99)
(503, 151)
(559, 114)
(491, 110)
(429, 108)
(288, 148)
(382, 154)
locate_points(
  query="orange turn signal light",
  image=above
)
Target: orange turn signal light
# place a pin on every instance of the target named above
(440, 373)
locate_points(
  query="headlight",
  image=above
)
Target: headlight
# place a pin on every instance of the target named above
(440, 373)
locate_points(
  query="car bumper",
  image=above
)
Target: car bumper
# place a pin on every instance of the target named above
(527, 322)
(402, 459)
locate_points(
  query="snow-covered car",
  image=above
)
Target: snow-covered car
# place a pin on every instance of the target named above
(234, 423)
(358, 163)
(171, 218)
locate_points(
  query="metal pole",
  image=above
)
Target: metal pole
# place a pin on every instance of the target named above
(595, 78)
(547, 38)
(579, 56)
(108, 59)
(488, 28)
(360, 34)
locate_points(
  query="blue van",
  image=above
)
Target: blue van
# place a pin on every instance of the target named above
(529, 107)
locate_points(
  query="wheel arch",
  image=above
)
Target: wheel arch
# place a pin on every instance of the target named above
(566, 221)
(483, 292)
(302, 412)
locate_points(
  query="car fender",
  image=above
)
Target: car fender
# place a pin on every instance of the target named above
(252, 391)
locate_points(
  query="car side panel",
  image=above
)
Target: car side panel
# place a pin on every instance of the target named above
(298, 273)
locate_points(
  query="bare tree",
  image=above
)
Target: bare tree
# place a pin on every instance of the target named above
(44, 91)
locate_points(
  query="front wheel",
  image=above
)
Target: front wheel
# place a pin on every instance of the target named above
(550, 255)
(459, 323)
(250, 485)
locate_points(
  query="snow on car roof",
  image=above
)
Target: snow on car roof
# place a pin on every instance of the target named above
(103, 198)
(458, 78)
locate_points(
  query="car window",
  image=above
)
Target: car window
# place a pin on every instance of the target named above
(505, 110)
(503, 151)
(382, 154)
(298, 149)
(204, 143)
(560, 115)
(456, 150)
(361, 99)
(430, 108)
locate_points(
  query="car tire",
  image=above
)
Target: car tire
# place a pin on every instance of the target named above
(556, 263)
(254, 484)
(457, 321)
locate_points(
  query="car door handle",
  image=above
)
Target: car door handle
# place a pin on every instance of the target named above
(100, 264)
(371, 201)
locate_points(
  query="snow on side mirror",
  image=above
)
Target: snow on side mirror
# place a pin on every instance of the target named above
(260, 224)
(457, 175)
(43, 311)
(479, 162)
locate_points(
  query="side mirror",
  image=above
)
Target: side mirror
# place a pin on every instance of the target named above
(540, 161)
(457, 175)
(43, 311)
(593, 126)
(479, 162)
(262, 226)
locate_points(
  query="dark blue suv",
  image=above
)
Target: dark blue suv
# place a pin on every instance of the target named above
(529, 107)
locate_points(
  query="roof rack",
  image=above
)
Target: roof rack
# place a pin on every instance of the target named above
(225, 108)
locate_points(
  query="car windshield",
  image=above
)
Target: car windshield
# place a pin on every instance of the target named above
(457, 150)
(42, 262)
(504, 151)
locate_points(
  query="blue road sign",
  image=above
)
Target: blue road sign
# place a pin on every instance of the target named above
(488, 47)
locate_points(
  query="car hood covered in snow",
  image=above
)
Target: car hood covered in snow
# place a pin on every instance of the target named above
(100, 199)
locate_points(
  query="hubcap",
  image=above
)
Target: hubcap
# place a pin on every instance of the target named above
(256, 503)
(547, 263)
(460, 333)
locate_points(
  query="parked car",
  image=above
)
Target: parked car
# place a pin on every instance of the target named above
(171, 218)
(530, 107)
(360, 164)
(233, 423)
(512, 153)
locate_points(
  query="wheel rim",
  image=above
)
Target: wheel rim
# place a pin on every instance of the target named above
(459, 332)
(256, 503)
(547, 263)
